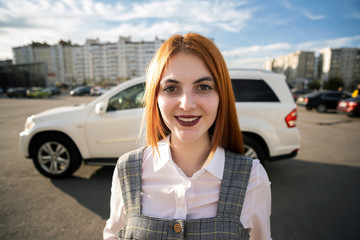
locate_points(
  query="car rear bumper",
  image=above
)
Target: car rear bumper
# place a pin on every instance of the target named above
(283, 143)
(347, 111)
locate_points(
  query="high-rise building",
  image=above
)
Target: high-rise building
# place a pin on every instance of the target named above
(23, 54)
(340, 62)
(52, 56)
(92, 63)
(298, 67)
(135, 56)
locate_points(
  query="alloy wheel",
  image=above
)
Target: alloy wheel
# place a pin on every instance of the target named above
(53, 157)
(250, 152)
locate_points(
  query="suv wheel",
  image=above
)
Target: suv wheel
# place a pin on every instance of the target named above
(321, 108)
(253, 149)
(55, 156)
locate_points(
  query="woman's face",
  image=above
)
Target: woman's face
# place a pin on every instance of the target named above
(188, 99)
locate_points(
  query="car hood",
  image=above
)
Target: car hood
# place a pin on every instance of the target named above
(61, 111)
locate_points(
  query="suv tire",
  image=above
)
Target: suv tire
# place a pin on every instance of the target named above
(55, 156)
(253, 149)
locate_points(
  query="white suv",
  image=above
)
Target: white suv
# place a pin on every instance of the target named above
(99, 132)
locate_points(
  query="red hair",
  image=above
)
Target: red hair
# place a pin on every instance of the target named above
(225, 131)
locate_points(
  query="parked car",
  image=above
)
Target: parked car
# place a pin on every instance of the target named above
(38, 92)
(350, 106)
(322, 100)
(16, 92)
(298, 93)
(97, 91)
(55, 91)
(80, 91)
(99, 132)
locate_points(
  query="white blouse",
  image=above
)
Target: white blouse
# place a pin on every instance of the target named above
(168, 193)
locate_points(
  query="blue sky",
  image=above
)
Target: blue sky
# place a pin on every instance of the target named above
(247, 32)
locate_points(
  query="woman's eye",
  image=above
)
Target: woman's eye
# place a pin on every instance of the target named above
(205, 87)
(169, 89)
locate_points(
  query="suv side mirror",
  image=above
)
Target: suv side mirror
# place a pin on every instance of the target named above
(100, 108)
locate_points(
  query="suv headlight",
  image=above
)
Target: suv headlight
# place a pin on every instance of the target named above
(29, 123)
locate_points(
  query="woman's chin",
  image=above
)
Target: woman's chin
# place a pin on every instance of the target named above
(190, 137)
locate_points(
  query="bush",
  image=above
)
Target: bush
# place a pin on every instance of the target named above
(334, 83)
(315, 84)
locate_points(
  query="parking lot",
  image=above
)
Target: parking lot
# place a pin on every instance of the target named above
(315, 195)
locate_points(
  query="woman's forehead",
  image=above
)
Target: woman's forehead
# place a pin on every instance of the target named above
(185, 66)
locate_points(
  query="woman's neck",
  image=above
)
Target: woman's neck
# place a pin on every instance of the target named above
(190, 156)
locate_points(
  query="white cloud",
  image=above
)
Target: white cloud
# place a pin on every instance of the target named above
(24, 21)
(301, 10)
(257, 49)
(333, 43)
(355, 14)
(255, 56)
(143, 31)
(205, 12)
(252, 62)
(311, 16)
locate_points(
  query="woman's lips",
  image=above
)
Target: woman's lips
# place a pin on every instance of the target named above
(187, 121)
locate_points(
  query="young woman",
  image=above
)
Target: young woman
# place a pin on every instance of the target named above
(191, 181)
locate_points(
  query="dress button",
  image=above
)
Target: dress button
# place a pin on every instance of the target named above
(177, 227)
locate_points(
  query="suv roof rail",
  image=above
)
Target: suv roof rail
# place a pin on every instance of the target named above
(250, 70)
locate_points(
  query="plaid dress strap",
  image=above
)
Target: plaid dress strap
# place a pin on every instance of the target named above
(235, 180)
(129, 169)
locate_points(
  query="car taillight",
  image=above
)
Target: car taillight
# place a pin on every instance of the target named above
(291, 118)
(352, 104)
(306, 100)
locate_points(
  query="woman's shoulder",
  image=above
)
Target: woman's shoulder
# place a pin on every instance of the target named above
(232, 154)
(238, 158)
(258, 173)
(131, 156)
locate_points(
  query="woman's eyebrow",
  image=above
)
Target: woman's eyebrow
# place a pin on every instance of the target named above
(204, 79)
(169, 80)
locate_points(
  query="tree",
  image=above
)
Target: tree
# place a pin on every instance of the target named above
(334, 83)
(315, 84)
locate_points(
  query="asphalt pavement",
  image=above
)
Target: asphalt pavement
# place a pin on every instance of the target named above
(315, 195)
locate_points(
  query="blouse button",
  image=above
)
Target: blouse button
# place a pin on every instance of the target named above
(177, 227)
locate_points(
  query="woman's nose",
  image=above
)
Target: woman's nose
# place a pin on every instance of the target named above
(187, 101)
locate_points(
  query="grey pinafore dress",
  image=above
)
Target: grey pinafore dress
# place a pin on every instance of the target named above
(225, 225)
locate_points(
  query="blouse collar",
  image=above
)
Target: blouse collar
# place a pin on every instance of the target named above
(215, 166)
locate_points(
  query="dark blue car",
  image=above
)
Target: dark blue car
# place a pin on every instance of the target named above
(16, 92)
(322, 100)
(80, 91)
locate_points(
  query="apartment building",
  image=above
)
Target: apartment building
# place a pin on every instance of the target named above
(92, 63)
(340, 62)
(298, 67)
(135, 56)
(52, 56)
(78, 73)
(23, 55)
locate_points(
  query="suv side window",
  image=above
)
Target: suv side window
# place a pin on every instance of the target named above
(129, 98)
(246, 90)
